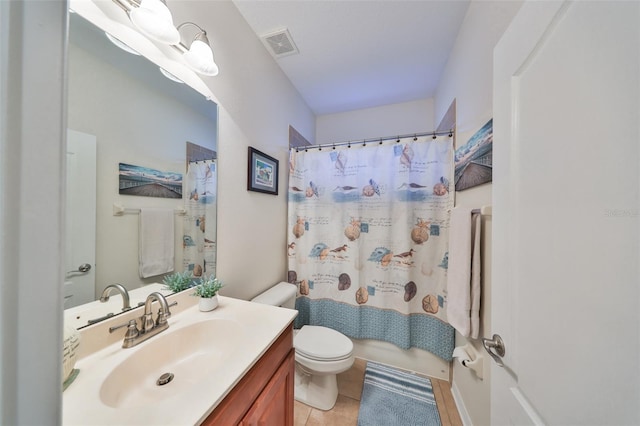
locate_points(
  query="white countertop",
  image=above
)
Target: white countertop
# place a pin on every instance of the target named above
(260, 325)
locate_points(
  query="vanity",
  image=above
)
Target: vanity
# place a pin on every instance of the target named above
(233, 365)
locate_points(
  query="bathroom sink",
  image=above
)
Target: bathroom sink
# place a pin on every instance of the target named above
(207, 352)
(189, 353)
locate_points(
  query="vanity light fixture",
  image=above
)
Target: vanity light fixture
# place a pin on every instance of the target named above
(199, 55)
(153, 19)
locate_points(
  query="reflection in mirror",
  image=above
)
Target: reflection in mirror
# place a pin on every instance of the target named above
(122, 109)
(199, 234)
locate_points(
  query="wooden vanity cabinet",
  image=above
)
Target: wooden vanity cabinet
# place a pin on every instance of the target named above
(264, 396)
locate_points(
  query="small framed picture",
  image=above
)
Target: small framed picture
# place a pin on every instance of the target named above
(262, 173)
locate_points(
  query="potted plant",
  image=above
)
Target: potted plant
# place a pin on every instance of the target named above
(207, 289)
(179, 281)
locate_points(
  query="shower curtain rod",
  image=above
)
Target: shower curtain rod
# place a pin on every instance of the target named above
(380, 140)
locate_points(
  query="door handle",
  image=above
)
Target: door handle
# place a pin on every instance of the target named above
(83, 269)
(495, 344)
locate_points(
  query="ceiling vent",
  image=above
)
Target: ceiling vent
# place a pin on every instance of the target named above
(280, 43)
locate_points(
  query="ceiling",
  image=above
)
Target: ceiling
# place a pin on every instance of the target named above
(356, 54)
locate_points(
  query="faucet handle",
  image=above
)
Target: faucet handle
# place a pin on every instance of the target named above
(132, 330)
(168, 313)
(127, 324)
(162, 317)
(131, 334)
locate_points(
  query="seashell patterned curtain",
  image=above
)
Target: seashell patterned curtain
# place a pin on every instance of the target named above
(199, 238)
(368, 234)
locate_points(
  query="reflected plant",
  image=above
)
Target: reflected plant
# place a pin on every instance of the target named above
(178, 281)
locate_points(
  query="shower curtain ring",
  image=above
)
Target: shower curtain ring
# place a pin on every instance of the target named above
(415, 137)
(364, 142)
(434, 135)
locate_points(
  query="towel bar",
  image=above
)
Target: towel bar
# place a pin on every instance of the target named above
(484, 210)
(119, 210)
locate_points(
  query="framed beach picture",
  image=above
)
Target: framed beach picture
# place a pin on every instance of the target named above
(474, 160)
(147, 182)
(262, 173)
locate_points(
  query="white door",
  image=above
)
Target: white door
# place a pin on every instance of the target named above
(565, 290)
(80, 256)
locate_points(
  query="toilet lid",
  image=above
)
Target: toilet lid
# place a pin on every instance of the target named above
(322, 343)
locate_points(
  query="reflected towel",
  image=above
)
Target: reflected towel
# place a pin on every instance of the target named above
(464, 272)
(157, 242)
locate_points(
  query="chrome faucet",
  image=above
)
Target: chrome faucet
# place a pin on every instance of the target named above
(123, 291)
(148, 327)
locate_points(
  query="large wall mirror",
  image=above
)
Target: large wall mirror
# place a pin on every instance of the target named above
(122, 109)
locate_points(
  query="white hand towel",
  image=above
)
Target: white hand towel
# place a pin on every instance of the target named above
(459, 271)
(157, 242)
(476, 275)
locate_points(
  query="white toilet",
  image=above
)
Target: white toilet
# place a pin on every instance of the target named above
(321, 353)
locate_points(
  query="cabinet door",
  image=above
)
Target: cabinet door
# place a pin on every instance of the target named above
(274, 406)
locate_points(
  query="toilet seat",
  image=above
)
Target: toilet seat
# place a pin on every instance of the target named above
(322, 344)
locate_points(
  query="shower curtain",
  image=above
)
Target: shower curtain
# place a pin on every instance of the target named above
(199, 238)
(367, 240)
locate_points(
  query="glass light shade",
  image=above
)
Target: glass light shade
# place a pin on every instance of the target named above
(154, 20)
(200, 58)
(170, 76)
(122, 45)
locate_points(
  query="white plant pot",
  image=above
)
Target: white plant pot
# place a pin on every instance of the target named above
(208, 304)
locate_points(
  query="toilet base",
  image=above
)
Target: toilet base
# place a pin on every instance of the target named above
(317, 391)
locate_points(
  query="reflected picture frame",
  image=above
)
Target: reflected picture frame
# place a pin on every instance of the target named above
(262, 172)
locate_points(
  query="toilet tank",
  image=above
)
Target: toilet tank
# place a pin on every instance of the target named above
(282, 294)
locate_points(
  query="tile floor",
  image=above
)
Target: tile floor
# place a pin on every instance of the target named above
(345, 412)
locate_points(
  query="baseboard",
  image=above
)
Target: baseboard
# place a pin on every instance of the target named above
(462, 410)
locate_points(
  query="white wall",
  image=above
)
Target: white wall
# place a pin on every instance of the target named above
(468, 78)
(387, 120)
(134, 124)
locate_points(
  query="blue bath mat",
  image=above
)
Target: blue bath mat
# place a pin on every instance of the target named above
(395, 397)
